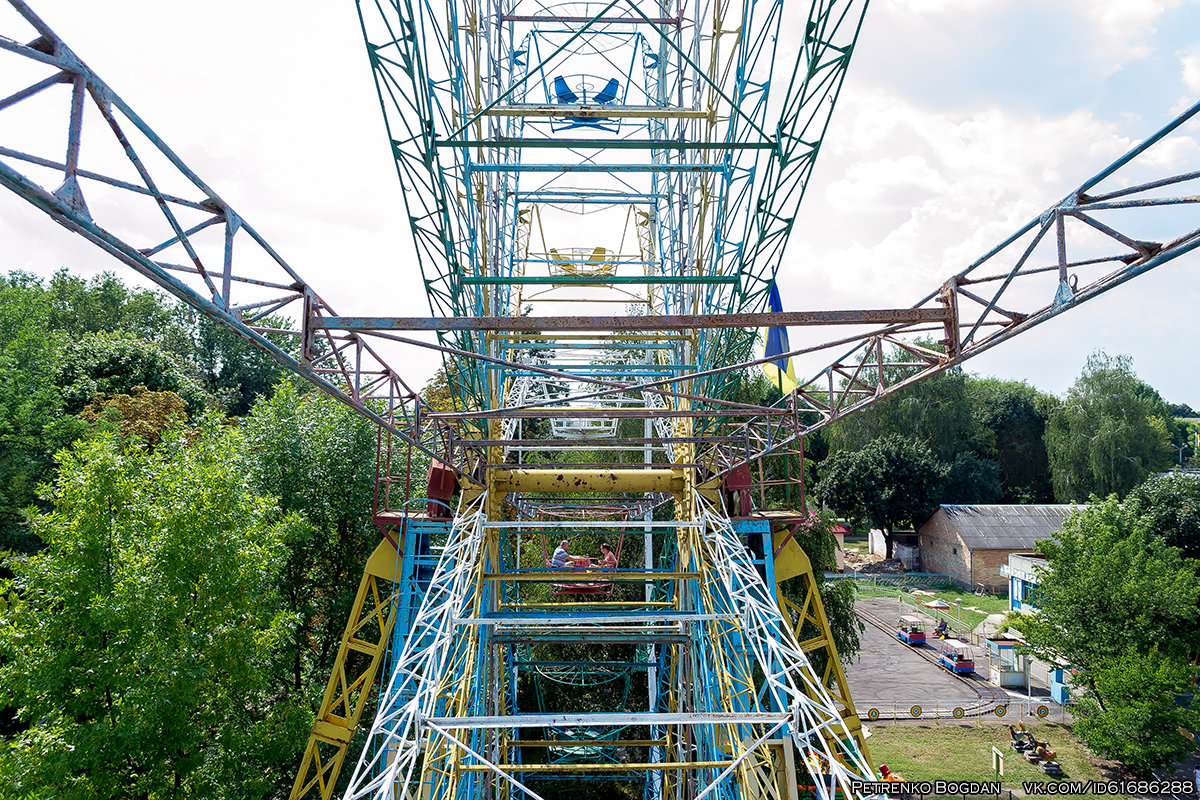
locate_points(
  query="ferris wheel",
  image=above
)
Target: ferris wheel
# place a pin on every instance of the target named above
(600, 194)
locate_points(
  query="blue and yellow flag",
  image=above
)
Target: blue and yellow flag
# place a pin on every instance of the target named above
(780, 371)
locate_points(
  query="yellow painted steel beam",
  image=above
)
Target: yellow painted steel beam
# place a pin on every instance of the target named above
(791, 561)
(710, 490)
(532, 481)
(346, 694)
(782, 782)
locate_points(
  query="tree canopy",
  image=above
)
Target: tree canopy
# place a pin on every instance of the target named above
(1140, 703)
(317, 457)
(976, 422)
(1118, 602)
(139, 645)
(68, 342)
(1015, 413)
(1169, 506)
(937, 411)
(1110, 432)
(889, 482)
(971, 480)
(1110, 581)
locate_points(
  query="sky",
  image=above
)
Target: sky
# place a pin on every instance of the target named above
(958, 122)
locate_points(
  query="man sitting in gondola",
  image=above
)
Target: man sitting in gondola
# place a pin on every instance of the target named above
(564, 560)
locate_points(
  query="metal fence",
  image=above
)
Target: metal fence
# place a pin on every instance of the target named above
(905, 580)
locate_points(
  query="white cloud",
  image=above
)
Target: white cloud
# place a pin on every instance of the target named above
(1171, 153)
(1122, 27)
(907, 202)
(936, 6)
(883, 183)
(1190, 62)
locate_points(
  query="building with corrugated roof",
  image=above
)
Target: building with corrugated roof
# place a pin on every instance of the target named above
(972, 544)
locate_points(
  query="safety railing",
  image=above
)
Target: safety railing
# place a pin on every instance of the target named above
(917, 580)
(980, 712)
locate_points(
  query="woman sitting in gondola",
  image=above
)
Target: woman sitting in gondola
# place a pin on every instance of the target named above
(608, 559)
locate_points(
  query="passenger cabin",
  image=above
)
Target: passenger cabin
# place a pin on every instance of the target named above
(579, 91)
(911, 630)
(957, 657)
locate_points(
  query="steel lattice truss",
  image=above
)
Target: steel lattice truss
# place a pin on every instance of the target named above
(189, 241)
(733, 586)
(154, 214)
(681, 127)
(643, 158)
(435, 674)
(439, 729)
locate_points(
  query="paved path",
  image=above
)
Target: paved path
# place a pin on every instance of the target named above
(888, 671)
(892, 677)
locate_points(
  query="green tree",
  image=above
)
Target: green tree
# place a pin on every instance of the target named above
(47, 373)
(1169, 506)
(889, 482)
(1111, 431)
(139, 645)
(318, 458)
(1180, 432)
(117, 363)
(971, 480)
(1141, 702)
(1109, 583)
(1015, 413)
(230, 367)
(937, 410)
(32, 422)
(79, 306)
(1120, 606)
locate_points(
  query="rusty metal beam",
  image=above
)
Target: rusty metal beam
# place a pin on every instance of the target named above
(885, 316)
(524, 412)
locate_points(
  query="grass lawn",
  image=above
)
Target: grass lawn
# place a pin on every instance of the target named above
(856, 545)
(986, 604)
(964, 752)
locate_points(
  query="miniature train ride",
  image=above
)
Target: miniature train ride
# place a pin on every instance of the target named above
(911, 630)
(956, 657)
